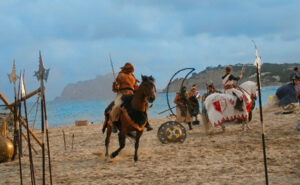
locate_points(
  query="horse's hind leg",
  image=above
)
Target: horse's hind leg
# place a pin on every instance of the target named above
(122, 145)
(107, 139)
(137, 141)
(223, 127)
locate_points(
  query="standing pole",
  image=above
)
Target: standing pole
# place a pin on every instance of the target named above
(17, 136)
(23, 93)
(258, 66)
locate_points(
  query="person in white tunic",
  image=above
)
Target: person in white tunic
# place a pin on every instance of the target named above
(231, 88)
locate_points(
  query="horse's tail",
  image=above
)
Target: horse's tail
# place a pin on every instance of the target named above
(105, 123)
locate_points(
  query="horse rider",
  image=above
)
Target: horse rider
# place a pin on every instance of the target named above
(228, 81)
(182, 107)
(124, 84)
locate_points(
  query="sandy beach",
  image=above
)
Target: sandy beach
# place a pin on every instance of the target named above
(233, 157)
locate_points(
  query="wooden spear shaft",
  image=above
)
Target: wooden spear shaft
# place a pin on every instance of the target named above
(47, 137)
(262, 126)
(28, 139)
(22, 121)
(25, 137)
(17, 124)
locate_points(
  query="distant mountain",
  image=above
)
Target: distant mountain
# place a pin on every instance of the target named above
(271, 74)
(95, 89)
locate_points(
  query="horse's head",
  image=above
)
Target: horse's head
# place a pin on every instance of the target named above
(250, 88)
(148, 88)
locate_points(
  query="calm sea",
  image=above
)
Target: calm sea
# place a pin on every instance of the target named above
(65, 113)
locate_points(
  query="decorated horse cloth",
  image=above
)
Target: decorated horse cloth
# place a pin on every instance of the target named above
(220, 107)
(286, 94)
(135, 118)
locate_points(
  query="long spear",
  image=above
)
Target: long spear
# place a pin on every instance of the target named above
(42, 74)
(257, 63)
(23, 93)
(112, 67)
(17, 139)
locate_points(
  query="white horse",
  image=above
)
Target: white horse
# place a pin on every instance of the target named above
(219, 108)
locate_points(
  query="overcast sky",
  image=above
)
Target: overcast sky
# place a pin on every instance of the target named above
(158, 36)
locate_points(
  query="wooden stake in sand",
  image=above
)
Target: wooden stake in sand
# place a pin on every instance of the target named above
(64, 136)
(257, 63)
(72, 140)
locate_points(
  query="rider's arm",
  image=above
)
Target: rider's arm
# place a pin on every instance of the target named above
(231, 77)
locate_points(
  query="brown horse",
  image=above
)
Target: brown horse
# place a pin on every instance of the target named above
(133, 116)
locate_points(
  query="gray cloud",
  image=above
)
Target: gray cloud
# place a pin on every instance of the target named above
(160, 37)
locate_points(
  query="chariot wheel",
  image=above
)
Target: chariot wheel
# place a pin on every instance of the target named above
(171, 131)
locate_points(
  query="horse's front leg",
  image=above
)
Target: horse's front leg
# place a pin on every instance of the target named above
(107, 139)
(122, 140)
(137, 141)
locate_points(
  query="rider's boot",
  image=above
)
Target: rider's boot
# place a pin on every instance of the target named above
(190, 125)
(149, 128)
(239, 105)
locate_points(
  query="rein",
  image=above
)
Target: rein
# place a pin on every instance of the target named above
(244, 90)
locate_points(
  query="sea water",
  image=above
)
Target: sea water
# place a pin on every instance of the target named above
(66, 113)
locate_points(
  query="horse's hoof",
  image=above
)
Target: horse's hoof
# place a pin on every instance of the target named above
(113, 155)
(135, 159)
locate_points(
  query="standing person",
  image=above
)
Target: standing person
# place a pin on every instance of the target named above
(193, 91)
(182, 107)
(193, 96)
(210, 90)
(231, 88)
(295, 74)
(124, 84)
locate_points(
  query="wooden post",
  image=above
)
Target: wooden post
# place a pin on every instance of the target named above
(72, 140)
(64, 139)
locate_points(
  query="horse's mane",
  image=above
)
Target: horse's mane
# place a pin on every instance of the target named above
(148, 78)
